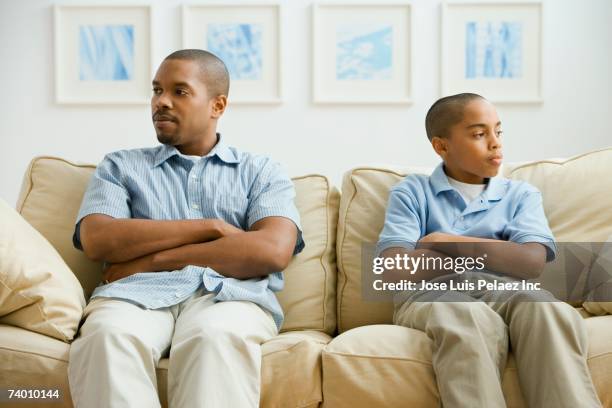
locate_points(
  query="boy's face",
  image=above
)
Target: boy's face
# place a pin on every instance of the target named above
(473, 149)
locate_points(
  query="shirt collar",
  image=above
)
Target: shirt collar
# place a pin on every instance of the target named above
(496, 186)
(221, 150)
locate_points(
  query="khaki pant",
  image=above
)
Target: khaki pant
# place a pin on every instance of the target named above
(473, 331)
(215, 358)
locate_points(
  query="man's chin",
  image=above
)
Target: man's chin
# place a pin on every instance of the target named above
(165, 139)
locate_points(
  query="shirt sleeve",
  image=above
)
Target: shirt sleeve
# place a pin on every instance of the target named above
(272, 195)
(105, 194)
(529, 224)
(402, 226)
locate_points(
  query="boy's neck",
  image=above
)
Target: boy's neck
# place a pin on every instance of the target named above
(463, 179)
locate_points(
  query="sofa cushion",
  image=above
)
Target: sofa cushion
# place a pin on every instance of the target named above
(291, 367)
(51, 194)
(53, 189)
(309, 296)
(365, 191)
(38, 292)
(576, 204)
(391, 366)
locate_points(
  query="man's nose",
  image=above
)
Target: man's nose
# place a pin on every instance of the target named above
(163, 101)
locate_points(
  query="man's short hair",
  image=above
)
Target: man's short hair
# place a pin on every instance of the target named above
(447, 112)
(214, 71)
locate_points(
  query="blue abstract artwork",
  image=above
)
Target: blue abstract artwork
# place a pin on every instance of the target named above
(364, 52)
(106, 52)
(493, 50)
(239, 46)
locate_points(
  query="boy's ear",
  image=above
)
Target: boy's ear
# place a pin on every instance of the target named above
(439, 145)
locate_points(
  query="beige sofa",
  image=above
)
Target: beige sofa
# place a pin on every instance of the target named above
(335, 349)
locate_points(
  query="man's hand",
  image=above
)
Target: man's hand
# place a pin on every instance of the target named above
(124, 269)
(226, 229)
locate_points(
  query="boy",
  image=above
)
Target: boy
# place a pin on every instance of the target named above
(463, 210)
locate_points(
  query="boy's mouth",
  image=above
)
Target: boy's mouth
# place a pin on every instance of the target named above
(496, 160)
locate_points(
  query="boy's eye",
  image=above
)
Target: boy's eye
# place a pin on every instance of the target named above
(499, 133)
(479, 135)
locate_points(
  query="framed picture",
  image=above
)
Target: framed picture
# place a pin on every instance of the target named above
(493, 49)
(102, 54)
(362, 53)
(247, 39)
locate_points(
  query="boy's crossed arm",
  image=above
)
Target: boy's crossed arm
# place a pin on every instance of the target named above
(523, 261)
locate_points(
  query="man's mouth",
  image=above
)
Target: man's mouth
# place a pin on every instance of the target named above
(162, 121)
(163, 118)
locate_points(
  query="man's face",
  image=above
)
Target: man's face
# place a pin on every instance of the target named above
(473, 149)
(181, 108)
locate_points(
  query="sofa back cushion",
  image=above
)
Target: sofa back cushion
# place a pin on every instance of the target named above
(576, 192)
(365, 191)
(53, 189)
(38, 292)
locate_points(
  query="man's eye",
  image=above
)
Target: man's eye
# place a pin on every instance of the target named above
(181, 92)
(156, 91)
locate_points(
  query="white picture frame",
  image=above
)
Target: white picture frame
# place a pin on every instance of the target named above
(102, 54)
(247, 37)
(369, 57)
(493, 49)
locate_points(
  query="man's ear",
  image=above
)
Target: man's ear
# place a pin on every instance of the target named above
(219, 103)
(439, 145)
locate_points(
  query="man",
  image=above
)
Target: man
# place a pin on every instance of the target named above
(194, 234)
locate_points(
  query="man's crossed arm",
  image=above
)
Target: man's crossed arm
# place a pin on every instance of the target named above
(136, 245)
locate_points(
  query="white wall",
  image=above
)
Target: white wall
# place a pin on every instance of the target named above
(307, 138)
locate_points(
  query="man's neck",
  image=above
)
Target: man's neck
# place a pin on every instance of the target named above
(199, 148)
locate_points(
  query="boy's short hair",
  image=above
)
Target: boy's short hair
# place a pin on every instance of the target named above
(446, 112)
(216, 76)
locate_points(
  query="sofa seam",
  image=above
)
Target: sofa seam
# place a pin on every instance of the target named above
(292, 347)
(376, 357)
(327, 245)
(340, 299)
(568, 160)
(318, 400)
(32, 353)
(596, 356)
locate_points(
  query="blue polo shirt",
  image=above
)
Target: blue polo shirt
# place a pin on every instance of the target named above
(506, 210)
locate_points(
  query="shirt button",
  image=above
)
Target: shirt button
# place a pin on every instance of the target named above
(195, 206)
(177, 294)
(193, 176)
